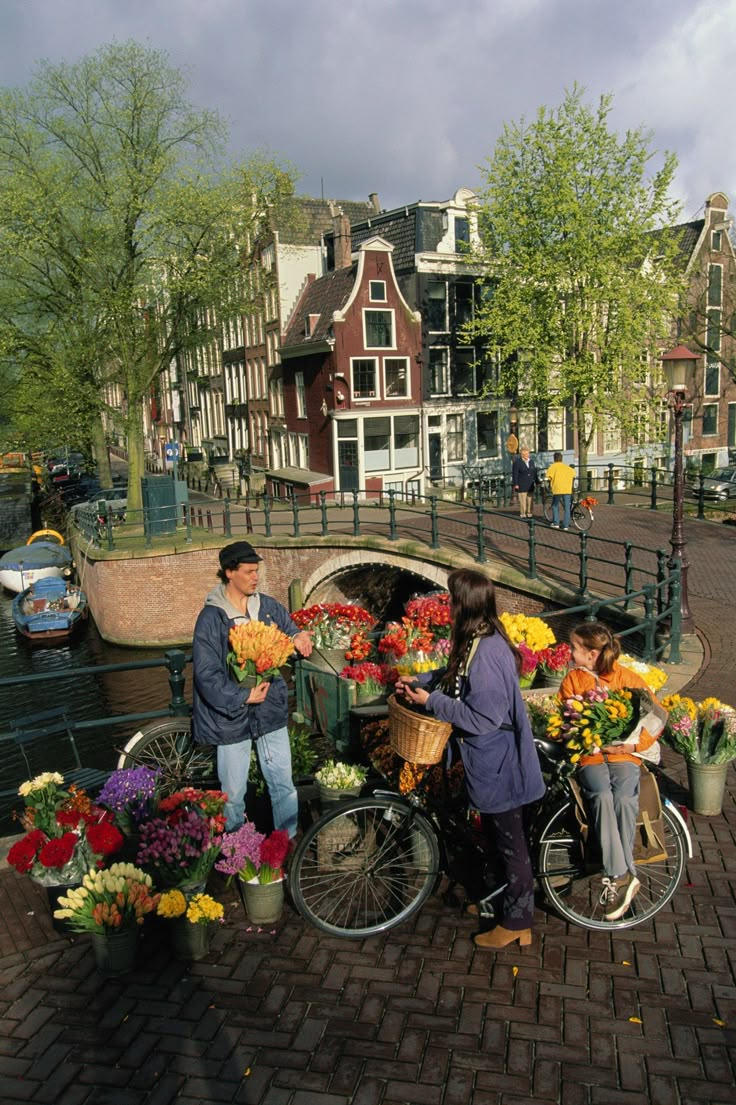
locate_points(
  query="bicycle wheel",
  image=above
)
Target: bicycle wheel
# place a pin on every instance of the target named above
(364, 867)
(582, 517)
(576, 893)
(168, 746)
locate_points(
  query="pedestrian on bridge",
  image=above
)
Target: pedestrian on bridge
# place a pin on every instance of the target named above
(561, 478)
(524, 480)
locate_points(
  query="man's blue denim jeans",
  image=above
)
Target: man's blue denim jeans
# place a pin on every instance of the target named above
(274, 756)
(566, 501)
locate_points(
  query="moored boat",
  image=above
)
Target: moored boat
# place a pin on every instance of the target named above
(49, 611)
(24, 566)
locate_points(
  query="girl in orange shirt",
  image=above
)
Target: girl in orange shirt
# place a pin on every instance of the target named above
(609, 778)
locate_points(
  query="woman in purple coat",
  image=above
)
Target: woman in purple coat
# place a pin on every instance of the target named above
(479, 695)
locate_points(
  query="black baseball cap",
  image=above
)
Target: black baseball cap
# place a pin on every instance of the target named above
(240, 552)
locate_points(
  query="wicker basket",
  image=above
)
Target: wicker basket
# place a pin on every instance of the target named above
(419, 739)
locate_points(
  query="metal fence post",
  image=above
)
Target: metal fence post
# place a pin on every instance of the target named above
(435, 521)
(661, 577)
(532, 573)
(188, 523)
(226, 520)
(323, 511)
(356, 513)
(653, 499)
(267, 513)
(176, 663)
(701, 496)
(295, 514)
(628, 570)
(481, 557)
(610, 485)
(392, 534)
(583, 555)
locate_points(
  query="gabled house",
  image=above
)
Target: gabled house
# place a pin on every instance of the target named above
(352, 383)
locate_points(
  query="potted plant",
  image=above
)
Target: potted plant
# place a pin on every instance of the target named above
(66, 835)
(408, 646)
(333, 627)
(191, 921)
(554, 663)
(705, 734)
(371, 681)
(258, 652)
(337, 781)
(529, 665)
(110, 905)
(257, 861)
(179, 845)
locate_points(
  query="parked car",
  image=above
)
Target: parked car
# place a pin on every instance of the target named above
(719, 484)
(116, 499)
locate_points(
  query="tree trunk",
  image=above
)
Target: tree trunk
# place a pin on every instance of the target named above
(582, 441)
(136, 462)
(100, 453)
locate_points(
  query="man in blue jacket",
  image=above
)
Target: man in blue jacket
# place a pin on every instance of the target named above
(231, 716)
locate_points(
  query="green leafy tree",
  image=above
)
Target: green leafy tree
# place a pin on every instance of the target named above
(123, 238)
(582, 289)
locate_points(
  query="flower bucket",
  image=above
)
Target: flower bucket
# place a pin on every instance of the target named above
(190, 941)
(115, 952)
(53, 893)
(707, 784)
(328, 659)
(525, 681)
(369, 698)
(331, 796)
(264, 902)
(552, 678)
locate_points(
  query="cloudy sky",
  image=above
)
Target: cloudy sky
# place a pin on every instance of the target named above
(407, 97)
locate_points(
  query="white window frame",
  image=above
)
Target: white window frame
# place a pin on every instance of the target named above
(407, 381)
(717, 393)
(451, 436)
(301, 395)
(358, 396)
(445, 370)
(384, 311)
(377, 291)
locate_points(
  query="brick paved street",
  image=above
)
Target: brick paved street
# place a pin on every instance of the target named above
(288, 1017)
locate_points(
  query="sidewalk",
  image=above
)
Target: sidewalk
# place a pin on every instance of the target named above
(290, 1017)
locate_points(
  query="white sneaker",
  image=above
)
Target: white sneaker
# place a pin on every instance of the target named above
(554, 525)
(618, 894)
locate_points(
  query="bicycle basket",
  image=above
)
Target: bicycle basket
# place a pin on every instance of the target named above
(418, 738)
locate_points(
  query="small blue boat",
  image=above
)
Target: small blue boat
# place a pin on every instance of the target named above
(50, 611)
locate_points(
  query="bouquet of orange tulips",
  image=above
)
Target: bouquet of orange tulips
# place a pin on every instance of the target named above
(258, 650)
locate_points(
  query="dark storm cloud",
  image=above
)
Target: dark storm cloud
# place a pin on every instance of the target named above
(407, 97)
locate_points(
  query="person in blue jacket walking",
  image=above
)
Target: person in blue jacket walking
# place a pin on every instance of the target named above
(479, 695)
(226, 714)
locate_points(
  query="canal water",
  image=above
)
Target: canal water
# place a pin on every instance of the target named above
(87, 697)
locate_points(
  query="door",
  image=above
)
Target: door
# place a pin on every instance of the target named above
(435, 457)
(347, 461)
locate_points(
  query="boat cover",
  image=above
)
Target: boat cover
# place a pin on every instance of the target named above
(41, 554)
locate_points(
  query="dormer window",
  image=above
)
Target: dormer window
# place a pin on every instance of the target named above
(310, 325)
(377, 291)
(715, 241)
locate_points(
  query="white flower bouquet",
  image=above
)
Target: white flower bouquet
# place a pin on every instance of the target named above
(340, 776)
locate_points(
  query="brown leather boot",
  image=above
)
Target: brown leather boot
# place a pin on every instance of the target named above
(500, 937)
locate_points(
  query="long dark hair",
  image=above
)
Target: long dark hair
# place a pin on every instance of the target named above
(474, 615)
(596, 635)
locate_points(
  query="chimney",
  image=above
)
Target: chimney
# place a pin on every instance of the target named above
(373, 197)
(343, 240)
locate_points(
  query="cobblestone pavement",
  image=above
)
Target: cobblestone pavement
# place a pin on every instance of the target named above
(289, 1017)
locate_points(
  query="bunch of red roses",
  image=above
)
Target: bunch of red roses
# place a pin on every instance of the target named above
(67, 833)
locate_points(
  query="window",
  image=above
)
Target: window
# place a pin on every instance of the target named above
(455, 437)
(437, 307)
(556, 429)
(377, 291)
(715, 279)
(376, 444)
(527, 427)
(396, 377)
(439, 376)
(487, 426)
(303, 447)
(715, 241)
(462, 234)
(379, 329)
(464, 382)
(710, 419)
(277, 398)
(731, 442)
(406, 441)
(301, 398)
(464, 305)
(712, 378)
(713, 333)
(364, 372)
(611, 438)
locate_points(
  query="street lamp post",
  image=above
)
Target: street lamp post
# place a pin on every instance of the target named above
(677, 365)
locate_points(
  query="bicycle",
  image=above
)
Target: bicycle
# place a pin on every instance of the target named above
(581, 509)
(372, 862)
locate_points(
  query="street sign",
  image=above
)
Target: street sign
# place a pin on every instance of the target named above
(171, 450)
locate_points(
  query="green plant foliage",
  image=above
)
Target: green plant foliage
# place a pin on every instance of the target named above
(303, 757)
